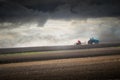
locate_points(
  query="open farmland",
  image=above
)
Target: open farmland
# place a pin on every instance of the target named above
(74, 64)
(89, 68)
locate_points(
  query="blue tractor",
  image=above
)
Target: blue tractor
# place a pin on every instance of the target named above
(93, 41)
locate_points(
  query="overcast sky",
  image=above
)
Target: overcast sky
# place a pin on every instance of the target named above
(58, 22)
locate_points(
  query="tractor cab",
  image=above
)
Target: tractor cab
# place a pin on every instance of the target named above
(93, 41)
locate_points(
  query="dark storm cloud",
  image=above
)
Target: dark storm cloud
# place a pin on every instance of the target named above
(82, 7)
(21, 11)
(17, 14)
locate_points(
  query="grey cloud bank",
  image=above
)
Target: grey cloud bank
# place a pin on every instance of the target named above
(57, 22)
(18, 11)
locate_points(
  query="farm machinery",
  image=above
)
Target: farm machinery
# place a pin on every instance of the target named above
(78, 42)
(90, 41)
(93, 41)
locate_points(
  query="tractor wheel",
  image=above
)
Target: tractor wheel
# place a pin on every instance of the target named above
(89, 42)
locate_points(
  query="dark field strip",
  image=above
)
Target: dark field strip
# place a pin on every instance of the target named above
(53, 55)
(55, 48)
